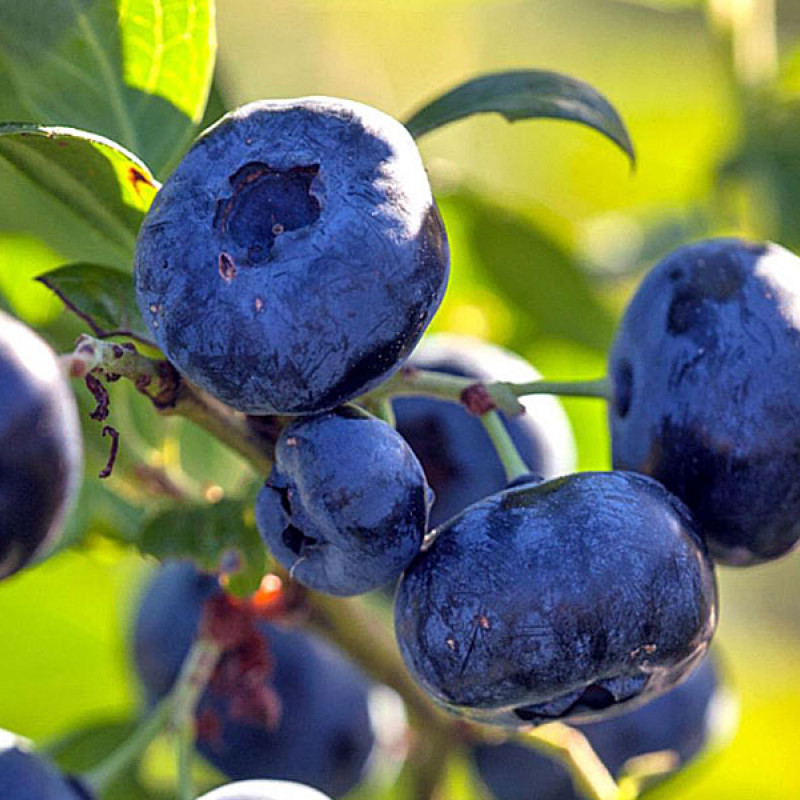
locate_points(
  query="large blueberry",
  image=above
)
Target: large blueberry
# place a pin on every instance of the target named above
(295, 256)
(346, 504)
(323, 735)
(686, 719)
(40, 446)
(706, 365)
(24, 775)
(264, 790)
(455, 451)
(573, 598)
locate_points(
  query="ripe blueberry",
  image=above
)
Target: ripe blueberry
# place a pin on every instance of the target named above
(346, 504)
(706, 365)
(573, 598)
(684, 720)
(40, 446)
(24, 775)
(322, 734)
(295, 256)
(452, 445)
(264, 790)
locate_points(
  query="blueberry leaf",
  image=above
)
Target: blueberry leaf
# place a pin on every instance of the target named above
(101, 296)
(534, 273)
(138, 72)
(211, 535)
(107, 187)
(525, 94)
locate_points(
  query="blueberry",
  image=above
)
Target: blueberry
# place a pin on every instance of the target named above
(574, 598)
(24, 775)
(323, 734)
(294, 257)
(684, 720)
(452, 445)
(40, 446)
(264, 790)
(706, 365)
(346, 504)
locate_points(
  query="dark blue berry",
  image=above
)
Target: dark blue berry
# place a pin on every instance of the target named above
(322, 734)
(706, 365)
(346, 504)
(295, 256)
(684, 721)
(24, 775)
(455, 451)
(573, 598)
(40, 446)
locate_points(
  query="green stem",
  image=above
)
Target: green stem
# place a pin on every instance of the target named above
(195, 674)
(175, 711)
(185, 748)
(172, 395)
(599, 387)
(507, 451)
(129, 751)
(413, 381)
(572, 749)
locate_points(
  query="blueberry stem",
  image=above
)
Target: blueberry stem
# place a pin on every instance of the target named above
(172, 395)
(572, 749)
(507, 451)
(129, 751)
(414, 381)
(185, 753)
(175, 712)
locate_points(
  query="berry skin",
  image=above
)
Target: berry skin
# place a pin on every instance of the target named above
(346, 504)
(574, 598)
(455, 451)
(684, 720)
(320, 734)
(40, 446)
(294, 258)
(27, 776)
(264, 790)
(706, 365)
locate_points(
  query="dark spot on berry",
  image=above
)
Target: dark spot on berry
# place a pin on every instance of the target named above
(296, 540)
(266, 202)
(227, 267)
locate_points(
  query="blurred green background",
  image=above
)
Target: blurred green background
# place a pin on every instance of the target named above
(550, 230)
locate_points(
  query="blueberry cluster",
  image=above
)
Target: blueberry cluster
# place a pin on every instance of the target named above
(290, 265)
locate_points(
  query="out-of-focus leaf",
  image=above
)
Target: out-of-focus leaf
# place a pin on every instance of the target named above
(766, 168)
(107, 187)
(103, 297)
(210, 535)
(534, 273)
(22, 257)
(83, 749)
(137, 71)
(525, 94)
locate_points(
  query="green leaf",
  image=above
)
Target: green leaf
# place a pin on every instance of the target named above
(107, 187)
(136, 71)
(209, 534)
(536, 275)
(525, 94)
(103, 297)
